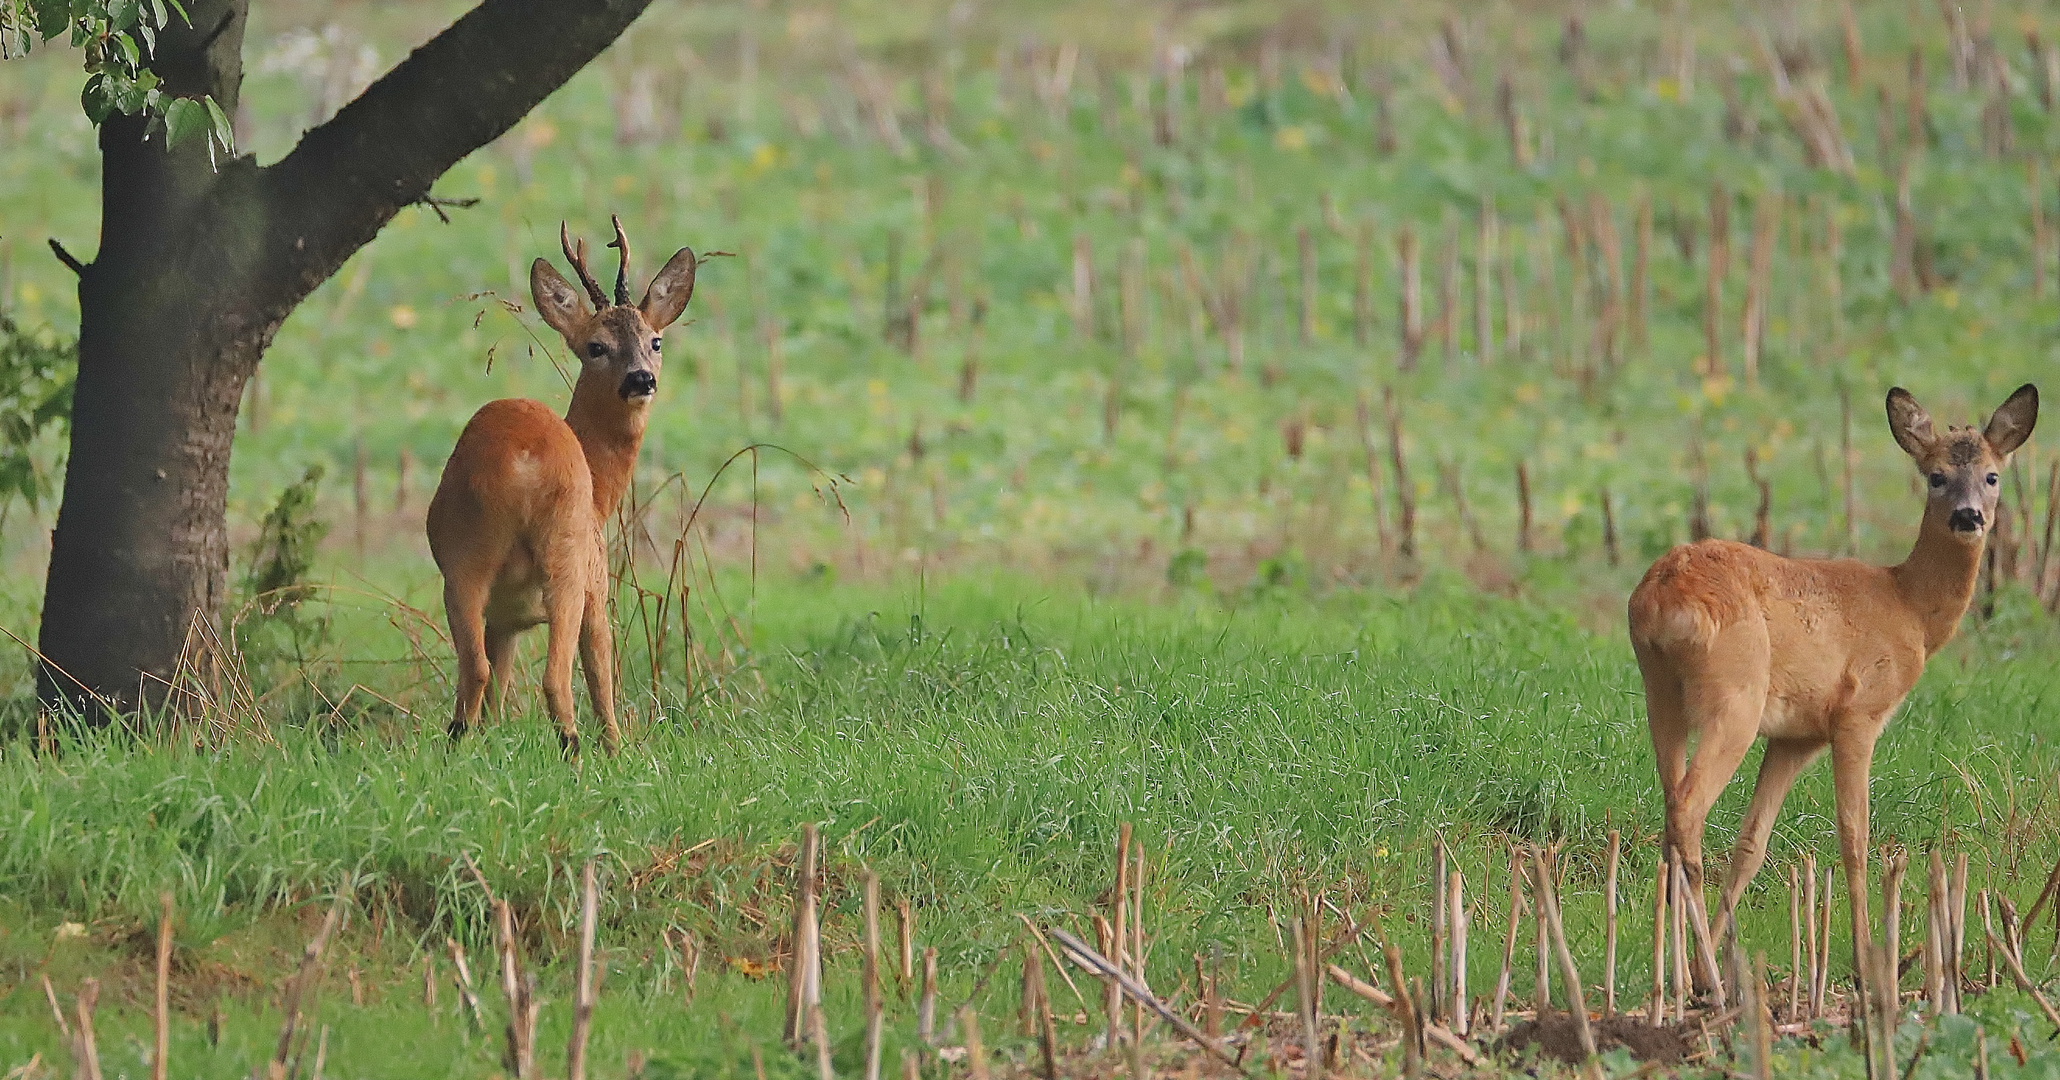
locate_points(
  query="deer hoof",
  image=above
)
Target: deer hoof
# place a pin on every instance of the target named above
(569, 744)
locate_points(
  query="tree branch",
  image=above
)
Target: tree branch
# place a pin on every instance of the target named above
(462, 90)
(67, 258)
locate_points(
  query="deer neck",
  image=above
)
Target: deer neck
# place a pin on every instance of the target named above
(1937, 580)
(610, 430)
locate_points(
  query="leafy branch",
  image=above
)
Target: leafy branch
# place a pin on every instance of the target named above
(119, 38)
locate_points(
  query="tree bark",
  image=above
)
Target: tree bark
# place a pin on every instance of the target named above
(196, 270)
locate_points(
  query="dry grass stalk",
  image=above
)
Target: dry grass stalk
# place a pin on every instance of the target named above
(1305, 250)
(1441, 919)
(1823, 961)
(462, 975)
(1363, 416)
(1795, 945)
(2015, 965)
(1677, 909)
(1484, 261)
(162, 1014)
(1956, 916)
(1762, 1027)
(1809, 873)
(1406, 1013)
(1442, 1035)
(1516, 907)
(583, 989)
(905, 920)
(64, 1027)
(1641, 261)
(1548, 904)
(1523, 507)
(1412, 327)
(1541, 924)
(1609, 922)
(1609, 284)
(297, 990)
(88, 1047)
(1715, 269)
(1101, 966)
(429, 985)
(1902, 265)
(321, 1052)
(1892, 928)
(1447, 325)
(1936, 937)
(1609, 529)
(1305, 1002)
(804, 964)
(1119, 903)
(1362, 285)
(926, 1004)
(520, 1049)
(1988, 927)
(1047, 1034)
(1081, 301)
(1656, 1012)
(1459, 919)
(1405, 495)
(1846, 461)
(875, 1014)
(1759, 284)
(1137, 935)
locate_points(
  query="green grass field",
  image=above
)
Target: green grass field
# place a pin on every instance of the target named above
(1018, 562)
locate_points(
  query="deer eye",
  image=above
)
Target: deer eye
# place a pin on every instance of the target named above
(1993, 479)
(596, 350)
(657, 344)
(1938, 479)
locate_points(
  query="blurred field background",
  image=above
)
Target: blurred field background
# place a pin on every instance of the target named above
(1105, 470)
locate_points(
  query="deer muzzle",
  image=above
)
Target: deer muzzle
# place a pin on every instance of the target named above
(638, 384)
(1966, 519)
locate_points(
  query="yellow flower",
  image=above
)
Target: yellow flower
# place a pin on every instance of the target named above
(402, 317)
(1292, 137)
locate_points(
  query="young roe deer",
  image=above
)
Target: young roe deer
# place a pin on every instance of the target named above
(516, 523)
(1737, 644)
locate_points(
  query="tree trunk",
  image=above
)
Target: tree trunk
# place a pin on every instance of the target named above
(196, 270)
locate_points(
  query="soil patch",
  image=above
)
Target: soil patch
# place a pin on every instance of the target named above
(1555, 1035)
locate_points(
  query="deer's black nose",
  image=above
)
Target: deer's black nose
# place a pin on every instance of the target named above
(638, 384)
(1965, 519)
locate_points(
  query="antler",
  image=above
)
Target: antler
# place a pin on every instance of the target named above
(621, 271)
(578, 259)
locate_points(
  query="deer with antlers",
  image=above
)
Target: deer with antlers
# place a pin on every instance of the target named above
(516, 523)
(1737, 644)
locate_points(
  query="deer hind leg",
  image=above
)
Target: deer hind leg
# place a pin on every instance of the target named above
(1784, 761)
(465, 606)
(1668, 726)
(597, 658)
(1723, 699)
(563, 607)
(500, 656)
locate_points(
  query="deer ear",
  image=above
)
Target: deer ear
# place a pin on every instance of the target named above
(2013, 421)
(670, 290)
(1909, 423)
(556, 300)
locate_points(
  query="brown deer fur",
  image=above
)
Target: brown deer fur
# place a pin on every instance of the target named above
(1737, 644)
(516, 524)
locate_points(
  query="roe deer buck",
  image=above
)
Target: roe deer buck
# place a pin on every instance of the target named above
(516, 524)
(1737, 644)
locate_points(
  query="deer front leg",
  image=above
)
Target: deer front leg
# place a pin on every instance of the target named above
(1784, 761)
(1852, 759)
(597, 657)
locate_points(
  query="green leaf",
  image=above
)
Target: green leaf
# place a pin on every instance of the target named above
(130, 94)
(223, 131)
(184, 118)
(97, 98)
(53, 17)
(124, 14)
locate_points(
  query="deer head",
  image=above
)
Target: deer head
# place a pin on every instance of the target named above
(617, 344)
(1963, 467)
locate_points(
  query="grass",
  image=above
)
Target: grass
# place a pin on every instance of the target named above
(1203, 624)
(976, 744)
